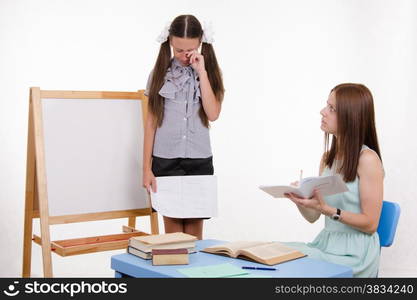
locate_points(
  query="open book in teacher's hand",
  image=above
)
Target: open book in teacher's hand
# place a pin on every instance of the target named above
(326, 185)
(268, 253)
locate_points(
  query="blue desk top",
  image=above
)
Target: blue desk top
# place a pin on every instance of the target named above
(133, 266)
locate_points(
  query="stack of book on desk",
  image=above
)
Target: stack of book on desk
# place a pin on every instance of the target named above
(179, 245)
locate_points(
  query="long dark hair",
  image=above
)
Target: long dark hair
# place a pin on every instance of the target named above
(184, 26)
(355, 127)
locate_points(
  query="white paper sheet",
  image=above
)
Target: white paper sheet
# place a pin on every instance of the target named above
(186, 196)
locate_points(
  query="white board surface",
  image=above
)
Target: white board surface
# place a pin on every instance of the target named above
(93, 155)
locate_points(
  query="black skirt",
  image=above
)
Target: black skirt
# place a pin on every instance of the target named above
(182, 166)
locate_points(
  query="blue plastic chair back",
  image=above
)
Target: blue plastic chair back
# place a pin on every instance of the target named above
(388, 221)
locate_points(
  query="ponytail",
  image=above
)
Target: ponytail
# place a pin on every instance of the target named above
(156, 101)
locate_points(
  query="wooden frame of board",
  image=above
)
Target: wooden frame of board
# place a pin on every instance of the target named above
(36, 198)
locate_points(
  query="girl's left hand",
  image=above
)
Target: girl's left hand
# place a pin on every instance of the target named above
(316, 202)
(196, 61)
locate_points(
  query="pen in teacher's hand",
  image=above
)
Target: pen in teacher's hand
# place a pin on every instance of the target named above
(260, 268)
(301, 177)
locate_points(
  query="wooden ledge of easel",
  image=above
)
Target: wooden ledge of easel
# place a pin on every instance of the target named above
(90, 244)
(91, 94)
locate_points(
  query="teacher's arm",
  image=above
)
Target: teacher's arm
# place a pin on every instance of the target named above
(371, 176)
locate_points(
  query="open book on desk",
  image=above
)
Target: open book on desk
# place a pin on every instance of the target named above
(268, 253)
(327, 185)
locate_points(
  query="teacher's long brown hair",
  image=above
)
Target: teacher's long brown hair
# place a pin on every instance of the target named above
(355, 127)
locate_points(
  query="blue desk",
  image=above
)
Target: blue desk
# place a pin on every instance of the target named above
(132, 266)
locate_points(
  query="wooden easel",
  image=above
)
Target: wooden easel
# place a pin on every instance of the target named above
(36, 202)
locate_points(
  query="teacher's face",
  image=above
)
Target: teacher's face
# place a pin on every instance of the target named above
(329, 115)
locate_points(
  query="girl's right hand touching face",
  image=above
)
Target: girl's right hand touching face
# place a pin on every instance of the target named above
(149, 181)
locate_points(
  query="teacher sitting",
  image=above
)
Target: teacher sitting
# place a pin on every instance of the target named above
(351, 218)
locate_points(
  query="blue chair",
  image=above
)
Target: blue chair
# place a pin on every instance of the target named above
(388, 221)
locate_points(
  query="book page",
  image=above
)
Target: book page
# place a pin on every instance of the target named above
(328, 185)
(278, 191)
(168, 238)
(269, 250)
(186, 196)
(187, 245)
(233, 247)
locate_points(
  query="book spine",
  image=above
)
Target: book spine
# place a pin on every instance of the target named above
(170, 259)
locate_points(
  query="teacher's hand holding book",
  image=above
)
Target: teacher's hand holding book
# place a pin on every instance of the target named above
(316, 202)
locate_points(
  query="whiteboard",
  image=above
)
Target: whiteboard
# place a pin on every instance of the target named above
(93, 155)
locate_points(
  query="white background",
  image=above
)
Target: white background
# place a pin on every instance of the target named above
(279, 59)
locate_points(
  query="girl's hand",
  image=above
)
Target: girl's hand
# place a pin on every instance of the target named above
(149, 181)
(316, 202)
(196, 61)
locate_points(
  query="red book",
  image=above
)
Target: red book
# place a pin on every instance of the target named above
(169, 257)
(169, 251)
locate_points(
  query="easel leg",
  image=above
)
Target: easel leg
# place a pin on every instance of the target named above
(29, 196)
(27, 244)
(41, 180)
(46, 249)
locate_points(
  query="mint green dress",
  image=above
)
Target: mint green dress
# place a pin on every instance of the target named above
(341, 244)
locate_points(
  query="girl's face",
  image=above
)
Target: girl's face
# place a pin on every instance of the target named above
(182, 47)
(329, 117)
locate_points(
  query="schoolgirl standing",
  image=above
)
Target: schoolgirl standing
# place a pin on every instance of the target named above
(185, 90)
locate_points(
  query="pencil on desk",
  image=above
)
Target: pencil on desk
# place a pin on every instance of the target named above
(259, 268)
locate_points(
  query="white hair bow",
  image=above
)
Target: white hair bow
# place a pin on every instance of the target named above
(208, 33)
(163, 36)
